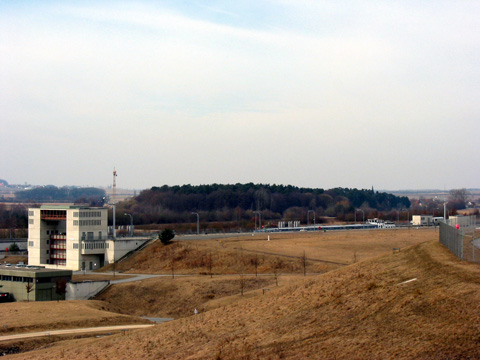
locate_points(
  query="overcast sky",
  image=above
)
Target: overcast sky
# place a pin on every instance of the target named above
(308, 93)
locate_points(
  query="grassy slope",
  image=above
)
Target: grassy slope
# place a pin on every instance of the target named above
(356, 312)
(237, 255)
(167, 297)
(32, 316)
(192, 257)
(163, 297)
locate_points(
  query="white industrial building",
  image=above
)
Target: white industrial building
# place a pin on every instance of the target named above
(422, 220)
(73, 238)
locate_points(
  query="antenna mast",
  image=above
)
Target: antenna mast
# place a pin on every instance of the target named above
(114, 194)
(114, 186)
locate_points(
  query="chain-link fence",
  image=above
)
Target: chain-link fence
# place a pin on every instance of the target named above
(458, 235)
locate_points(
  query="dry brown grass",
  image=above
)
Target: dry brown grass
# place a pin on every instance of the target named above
(324, 251)
(20, 317)
(15, 259)
(357, 312)
(167, 297)
(277, 257)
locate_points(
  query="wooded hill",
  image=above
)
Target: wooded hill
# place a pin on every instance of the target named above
(90, 195)
(217, 202)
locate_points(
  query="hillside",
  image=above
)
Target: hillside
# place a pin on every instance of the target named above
(23, 317)
(363, 311)
(324, 251)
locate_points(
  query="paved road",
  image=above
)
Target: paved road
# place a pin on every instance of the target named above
(211, 236)
(75, 331)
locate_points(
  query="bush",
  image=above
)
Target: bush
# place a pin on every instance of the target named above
(13, 247)
(166, 236)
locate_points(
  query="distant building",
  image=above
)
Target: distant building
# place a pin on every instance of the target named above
(422, 220)
(29, 283)
(471, 205)
(73, 237)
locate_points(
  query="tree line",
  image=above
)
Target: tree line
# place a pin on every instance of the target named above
(237, 202)
(50, 193)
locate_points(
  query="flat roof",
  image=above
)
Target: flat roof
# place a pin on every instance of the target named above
(32, 271)
(69, 207)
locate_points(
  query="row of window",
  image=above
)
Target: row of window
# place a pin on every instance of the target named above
(30, 213)
(87, 222)
(59, 262)
(87, 214)
(30, 222)
(16, 278)
(63, 245)
(58, 245)
(95, 245)
(58, 254)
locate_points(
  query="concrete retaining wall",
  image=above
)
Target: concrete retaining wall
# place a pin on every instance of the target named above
(85, 290)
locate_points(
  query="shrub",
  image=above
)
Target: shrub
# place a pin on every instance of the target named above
(13, 247)
(166, 236)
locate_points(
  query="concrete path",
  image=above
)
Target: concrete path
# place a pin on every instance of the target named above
(75, 331)
(157, 320)
(132, 277)
(139, 277)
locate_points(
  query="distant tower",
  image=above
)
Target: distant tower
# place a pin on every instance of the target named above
(114, 194)
(114, 186)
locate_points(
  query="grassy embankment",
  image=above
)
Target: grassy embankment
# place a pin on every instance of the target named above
(361, 311)
(280, 259)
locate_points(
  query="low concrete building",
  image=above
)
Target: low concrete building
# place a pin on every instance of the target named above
(33, 284)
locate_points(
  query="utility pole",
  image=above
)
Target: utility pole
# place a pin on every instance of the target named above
(114, 232)
(114, 194)
(198, 222)
(308, 217)
(259, 219)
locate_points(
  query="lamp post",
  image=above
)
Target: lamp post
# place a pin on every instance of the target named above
(308, 217)
(259, 219)
(408, 217)
(114, 232)
(198, 222)
(131, 223)
(363, 215)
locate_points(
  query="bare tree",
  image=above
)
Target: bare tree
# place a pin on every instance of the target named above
(303, 261)
(277, 265)
(255, 262)
(459, 197)
(354, 257)
(29, 288)
(209, 263)
(275, 275)
(60, 288)
(243, 283)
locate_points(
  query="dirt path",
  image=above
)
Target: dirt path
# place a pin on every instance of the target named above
(291, 256)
